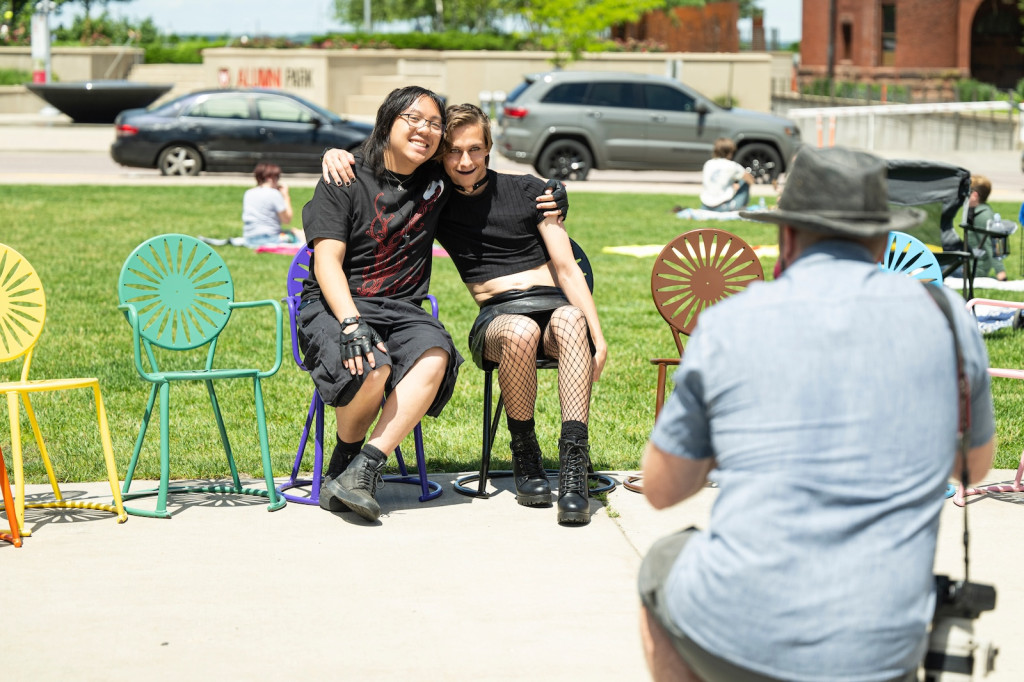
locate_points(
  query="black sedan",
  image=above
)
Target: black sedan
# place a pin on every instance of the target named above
(232, 130)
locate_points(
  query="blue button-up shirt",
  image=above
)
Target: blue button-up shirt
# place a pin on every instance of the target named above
(829, 401)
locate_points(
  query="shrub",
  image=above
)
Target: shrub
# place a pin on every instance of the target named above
(449, 40)
(970, 90)
(14, 77)
(179, 52)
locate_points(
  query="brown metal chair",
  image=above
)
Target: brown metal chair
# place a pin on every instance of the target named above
(694, 271)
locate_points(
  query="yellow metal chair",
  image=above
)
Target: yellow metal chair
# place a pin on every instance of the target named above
(22, 313)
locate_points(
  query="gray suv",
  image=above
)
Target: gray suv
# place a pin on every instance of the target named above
(565, 123)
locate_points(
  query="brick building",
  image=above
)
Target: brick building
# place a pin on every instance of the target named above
(711, 28)
(914, 41)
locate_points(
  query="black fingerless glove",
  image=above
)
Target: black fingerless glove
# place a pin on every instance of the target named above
(559, 196)
(358, 342)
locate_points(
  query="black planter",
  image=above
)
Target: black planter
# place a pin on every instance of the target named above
(97, 101)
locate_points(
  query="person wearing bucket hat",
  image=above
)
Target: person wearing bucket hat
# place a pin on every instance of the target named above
(824, 405)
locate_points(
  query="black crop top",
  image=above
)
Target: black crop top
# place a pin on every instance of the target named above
(495, 232)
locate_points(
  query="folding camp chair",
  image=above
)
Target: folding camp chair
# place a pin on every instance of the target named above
(1016, 486)
(941, 190)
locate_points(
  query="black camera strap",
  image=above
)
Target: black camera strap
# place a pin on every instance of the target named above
(964, 390)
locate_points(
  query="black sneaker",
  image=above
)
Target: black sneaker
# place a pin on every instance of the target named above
(356, 488)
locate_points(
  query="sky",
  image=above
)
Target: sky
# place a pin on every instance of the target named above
(255, 17)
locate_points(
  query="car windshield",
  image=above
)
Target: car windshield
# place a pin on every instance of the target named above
(329, 115)
(175, 107)
(172, 108)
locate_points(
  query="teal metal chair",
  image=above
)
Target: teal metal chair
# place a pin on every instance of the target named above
(177, 294)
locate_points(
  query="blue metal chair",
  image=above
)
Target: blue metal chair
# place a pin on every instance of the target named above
(178, 295)
(297, 272)
(910, 256)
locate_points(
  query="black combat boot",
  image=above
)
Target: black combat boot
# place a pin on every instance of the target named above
(357, 486)
(532, 487)
(340, 459)
(573, 492)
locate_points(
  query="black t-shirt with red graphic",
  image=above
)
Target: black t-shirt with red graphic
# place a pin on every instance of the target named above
(388, 227)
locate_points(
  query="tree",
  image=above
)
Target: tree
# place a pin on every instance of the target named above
(747, 7)
(569, 26)
(438, 15)
(566, 26)
(26, 7)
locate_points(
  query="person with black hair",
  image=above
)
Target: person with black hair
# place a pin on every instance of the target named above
(363, 332)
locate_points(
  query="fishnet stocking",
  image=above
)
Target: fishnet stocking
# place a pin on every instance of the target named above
(512, 341)
(566, 340)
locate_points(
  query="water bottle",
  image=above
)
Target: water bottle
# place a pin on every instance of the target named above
(760, 204)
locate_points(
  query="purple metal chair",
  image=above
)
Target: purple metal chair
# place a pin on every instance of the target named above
(315, 417)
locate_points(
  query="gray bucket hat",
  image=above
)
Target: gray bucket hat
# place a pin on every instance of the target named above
(838, 191)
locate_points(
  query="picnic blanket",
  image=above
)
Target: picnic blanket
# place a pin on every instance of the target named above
(705, 214)
(286, 249)
(991, 318)
(650, 250)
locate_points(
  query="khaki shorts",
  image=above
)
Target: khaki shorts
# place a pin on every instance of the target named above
(654, 572)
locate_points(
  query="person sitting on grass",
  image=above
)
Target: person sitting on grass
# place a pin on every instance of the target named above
(726, 184)
(266, 208)
(979, 213)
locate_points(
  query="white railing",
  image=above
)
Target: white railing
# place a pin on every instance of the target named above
(904, 126)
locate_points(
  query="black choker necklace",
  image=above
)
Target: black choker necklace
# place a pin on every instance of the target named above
(474, 188)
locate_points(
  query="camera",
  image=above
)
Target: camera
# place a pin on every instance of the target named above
(952, 650)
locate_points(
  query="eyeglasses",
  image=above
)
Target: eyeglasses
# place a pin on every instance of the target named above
(475, 153)
(416, 122)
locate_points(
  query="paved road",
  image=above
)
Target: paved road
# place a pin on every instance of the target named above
(36, 149)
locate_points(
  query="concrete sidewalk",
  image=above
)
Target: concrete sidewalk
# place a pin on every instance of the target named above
(452, 589)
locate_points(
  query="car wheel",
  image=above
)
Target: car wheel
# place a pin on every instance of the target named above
(565, 160)
(180, 159)
(763, 162)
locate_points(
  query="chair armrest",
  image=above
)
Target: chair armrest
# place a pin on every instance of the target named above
(279, 329)
(133, 319)
(1019, 305)
(293, 320)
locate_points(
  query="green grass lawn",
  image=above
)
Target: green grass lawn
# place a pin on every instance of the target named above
(77, 237)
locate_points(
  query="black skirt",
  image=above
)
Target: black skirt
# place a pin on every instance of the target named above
(536, 303)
